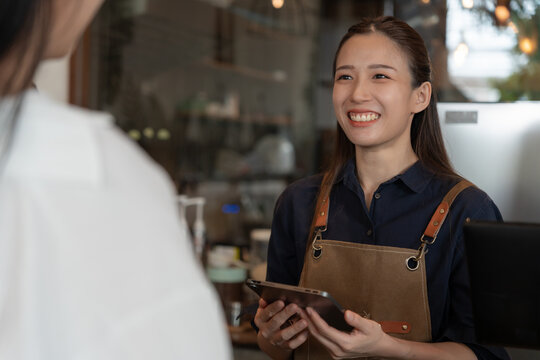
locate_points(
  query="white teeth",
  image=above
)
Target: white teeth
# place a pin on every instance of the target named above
(363, 117)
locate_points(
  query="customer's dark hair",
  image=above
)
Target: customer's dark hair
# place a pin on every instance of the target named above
(24, 28)
(426, 137)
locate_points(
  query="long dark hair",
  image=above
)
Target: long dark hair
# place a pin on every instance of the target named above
(426, 137)
(24, 27)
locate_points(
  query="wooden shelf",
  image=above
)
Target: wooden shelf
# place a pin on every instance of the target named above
(277, 76)
(254, 120)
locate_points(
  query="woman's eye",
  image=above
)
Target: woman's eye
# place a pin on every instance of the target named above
(380, 76)
(344, 77)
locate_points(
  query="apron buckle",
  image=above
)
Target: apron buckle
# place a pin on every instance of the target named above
(427, 241)
(317, 249)
(413, 262)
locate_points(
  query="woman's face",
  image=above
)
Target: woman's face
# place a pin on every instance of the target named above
(68, 21)
(373, 97)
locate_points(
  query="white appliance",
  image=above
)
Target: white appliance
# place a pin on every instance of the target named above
(497, 147)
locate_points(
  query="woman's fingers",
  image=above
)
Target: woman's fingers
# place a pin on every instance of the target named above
(298, 340)
(272, 322)
(362, 341)
(269, 311)
(292, 336)
(360, 323)
(323, 328)
(280, 318)
(291, 331)
(319, 328)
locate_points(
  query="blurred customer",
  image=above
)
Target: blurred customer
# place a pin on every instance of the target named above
(93, 264)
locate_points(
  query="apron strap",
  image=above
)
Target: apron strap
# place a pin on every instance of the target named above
(440, 214)
(322, 215)
(427, 238)
(434, 224)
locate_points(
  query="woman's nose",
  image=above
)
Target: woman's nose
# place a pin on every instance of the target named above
(361, 91)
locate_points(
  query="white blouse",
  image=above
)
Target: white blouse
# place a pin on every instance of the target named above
(94, 263)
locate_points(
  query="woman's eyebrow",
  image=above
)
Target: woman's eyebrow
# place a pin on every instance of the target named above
(345, 67)
(381, 66)
(372, 66)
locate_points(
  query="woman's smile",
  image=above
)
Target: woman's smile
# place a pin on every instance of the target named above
(362, 118)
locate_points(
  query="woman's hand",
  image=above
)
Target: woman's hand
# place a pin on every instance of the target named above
(271, 319)
(366, 339)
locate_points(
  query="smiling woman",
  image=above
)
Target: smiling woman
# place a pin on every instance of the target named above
(374, 98)
(361, 230)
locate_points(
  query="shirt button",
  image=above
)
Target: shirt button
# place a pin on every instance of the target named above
(377, 195)
(369, 232)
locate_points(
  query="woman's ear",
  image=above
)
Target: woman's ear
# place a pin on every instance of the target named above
(422, 97)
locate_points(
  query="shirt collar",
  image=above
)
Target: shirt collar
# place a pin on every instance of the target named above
(415, 177)
(56, 141)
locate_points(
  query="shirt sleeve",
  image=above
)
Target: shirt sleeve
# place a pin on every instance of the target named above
(282, 257)
(293, 214)
(460, 325)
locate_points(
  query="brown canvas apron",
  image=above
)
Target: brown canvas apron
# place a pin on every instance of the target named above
(383, 283)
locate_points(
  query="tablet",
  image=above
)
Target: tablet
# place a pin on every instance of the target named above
(325, 305)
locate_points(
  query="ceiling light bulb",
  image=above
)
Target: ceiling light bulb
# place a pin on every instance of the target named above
(426, 1)
(278, 4)
(462, 48)
(527, 45)
(467, 4)
(502, 13)
(460, 53)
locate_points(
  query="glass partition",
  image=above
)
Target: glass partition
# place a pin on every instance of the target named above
(233, 97)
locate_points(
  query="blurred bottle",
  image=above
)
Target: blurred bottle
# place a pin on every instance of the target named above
(259, 239)
(198, 237)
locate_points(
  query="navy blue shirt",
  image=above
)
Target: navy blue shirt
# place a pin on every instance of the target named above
(399, 213)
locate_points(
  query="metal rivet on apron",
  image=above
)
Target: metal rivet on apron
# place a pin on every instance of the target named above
(412, 263)
(435, 223)
(377, 196)
(404, 327)
(322, 213)
(441, 211)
